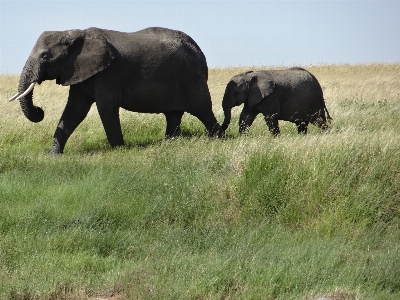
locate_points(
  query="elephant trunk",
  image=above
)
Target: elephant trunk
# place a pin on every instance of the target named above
(32, 113)
(227, 104)
(227, 120)
(25, 93)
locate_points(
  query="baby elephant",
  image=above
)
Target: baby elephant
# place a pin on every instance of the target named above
(293, 95)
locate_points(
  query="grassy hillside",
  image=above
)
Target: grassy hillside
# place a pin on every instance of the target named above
(248, 217)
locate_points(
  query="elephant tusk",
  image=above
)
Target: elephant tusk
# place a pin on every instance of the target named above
(30, 88)
(13, 97)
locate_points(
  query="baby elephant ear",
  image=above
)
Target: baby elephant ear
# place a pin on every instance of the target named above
(88, 53)
(259, 88)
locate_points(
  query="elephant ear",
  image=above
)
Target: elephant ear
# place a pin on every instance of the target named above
(88, 53)
(259, 87)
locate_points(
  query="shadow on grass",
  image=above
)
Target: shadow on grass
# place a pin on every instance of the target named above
(141, 142)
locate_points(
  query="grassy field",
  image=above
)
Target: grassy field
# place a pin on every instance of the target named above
(247, 217)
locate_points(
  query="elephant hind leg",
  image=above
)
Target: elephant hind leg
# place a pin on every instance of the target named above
(301, 126)
(318, 119)
(174, 119)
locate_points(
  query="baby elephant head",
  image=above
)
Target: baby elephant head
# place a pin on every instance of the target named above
(247, 88)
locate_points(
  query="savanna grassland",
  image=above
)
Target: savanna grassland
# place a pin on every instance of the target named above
(246, 217)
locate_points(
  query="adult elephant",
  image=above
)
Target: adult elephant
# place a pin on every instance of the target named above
(293, 95)
(155, 70)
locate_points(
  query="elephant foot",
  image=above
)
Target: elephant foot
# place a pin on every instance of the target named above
(244, 129)
(301, 126)
(221, 133)
(276, 135)
(275, 132)
(56, 148)
(217, 133)
(172, 134)
(118, 146)
(53, 153)
(171, 137)
(325, 127)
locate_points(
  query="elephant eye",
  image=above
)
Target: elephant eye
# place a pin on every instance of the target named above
(45, 55)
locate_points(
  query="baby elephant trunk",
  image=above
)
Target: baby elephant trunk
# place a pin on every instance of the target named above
(227, 120)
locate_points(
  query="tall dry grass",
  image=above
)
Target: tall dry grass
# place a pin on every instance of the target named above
(294, 217)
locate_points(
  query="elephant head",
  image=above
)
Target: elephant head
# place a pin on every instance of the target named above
(69, 57)
(246, 88)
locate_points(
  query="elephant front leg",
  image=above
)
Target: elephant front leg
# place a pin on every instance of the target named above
(174, 119)
(246, 119)
(63, 131)
(272, 123)
(75, 111)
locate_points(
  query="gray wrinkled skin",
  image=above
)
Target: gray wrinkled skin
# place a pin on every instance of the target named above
(293, 95)
(155, 70)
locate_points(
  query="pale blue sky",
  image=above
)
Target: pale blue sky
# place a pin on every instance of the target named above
(230, 33)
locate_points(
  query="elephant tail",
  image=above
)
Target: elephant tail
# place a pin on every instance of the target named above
(327, 112)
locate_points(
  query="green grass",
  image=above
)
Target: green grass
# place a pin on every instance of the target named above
(247, 217)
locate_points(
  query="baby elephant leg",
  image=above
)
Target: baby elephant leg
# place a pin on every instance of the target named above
(246, 119)
(174, 119)
(301, 126)
(272, 123)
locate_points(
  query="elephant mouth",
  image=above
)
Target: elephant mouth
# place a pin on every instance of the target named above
(18, 95)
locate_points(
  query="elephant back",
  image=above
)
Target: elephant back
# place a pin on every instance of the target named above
(179, 46)
(298, 81)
